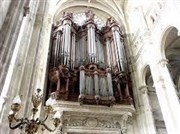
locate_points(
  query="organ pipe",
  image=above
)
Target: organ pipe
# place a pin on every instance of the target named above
(82, 81)
(96, 83)
(109, 81)
(66, 42)
(73, 51)
(91, 43)
(108, 52)
(120, 50)
(116, 52)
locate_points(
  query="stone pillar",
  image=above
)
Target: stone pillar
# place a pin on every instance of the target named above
(149, 120)
(91, 43)
(18, 80)
(167, 97)
(11, 21)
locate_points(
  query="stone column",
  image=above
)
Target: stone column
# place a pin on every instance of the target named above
(149, 120)
(21, 67)
(167, 97)
(91, 43)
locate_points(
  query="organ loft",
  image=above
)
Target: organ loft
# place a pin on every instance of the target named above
(87, 63)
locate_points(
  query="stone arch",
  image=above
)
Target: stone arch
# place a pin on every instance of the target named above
(99, 8)
(163, 38)
(170, 50)
(144, 73)
(153, 99)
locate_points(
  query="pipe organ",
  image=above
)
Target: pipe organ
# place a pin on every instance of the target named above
(88, 64)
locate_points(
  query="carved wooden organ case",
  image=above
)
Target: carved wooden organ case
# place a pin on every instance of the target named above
(88, 64)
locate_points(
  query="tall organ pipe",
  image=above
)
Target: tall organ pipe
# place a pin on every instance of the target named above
(66, 42)
(91, 43)
(116, 51)
(119, 47)
(58, 43)
(53, 51)
(96, 83)
(73, 51)
(108, 52)
(109, 82)
(82, 81)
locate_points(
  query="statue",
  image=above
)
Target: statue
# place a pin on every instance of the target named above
(67, 15)
(110, 21)
(89, 15)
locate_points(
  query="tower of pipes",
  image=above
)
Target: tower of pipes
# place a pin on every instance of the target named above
(88, 64)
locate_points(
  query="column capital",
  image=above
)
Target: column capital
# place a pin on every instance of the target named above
(163, 62)
(143, 89)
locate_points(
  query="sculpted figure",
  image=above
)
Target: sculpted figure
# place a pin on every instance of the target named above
(90, 15)
(68, 15)
(110, 21)
(54, 75)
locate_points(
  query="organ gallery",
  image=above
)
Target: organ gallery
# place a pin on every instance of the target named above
(87, 63)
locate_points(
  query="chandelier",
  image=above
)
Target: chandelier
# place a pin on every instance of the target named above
(31, 125)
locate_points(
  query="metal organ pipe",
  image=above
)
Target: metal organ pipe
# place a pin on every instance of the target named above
(119, 49)
(116, 51)
(94, 44)
(66, 42)
(73, 51)
(54, 52)
(96, 83)
(91, 43)
(108, 52)
(62, 46)
(58, 42)
(109, 82)
(82, 80)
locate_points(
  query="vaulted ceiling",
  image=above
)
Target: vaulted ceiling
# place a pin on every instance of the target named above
(102, 8)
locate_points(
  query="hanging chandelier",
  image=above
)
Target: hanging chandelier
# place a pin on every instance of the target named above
(32, 124)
